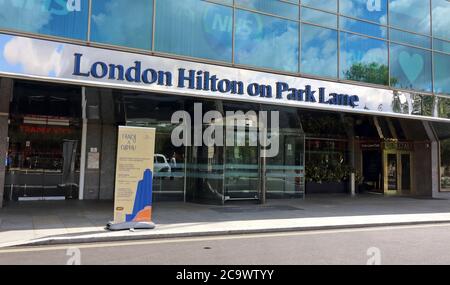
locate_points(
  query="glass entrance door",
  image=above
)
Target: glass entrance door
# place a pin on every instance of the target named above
(242, 168)
(397, 172)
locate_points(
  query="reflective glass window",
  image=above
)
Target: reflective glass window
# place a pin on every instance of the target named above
(319, 17)
(408, 38)
(363, 59)
(271, 7)
(410, 68)
(412, 15)
(372, 10)
(319, 51)
(67, 19)
(441, 45)
(194, 28)
(441, 73)
(441, 19)
(361, 27)
(117, 22)
(328, 5)
(225, 2)
(444, 109)
(266, 41)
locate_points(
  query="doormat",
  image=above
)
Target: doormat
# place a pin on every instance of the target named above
(254, 209)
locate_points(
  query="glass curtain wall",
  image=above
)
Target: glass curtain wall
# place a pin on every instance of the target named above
(383, 42)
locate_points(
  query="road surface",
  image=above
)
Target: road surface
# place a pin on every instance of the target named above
(416, 244)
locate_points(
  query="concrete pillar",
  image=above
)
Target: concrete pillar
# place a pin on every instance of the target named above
(101, 143)
(435, 159)
(6, 88)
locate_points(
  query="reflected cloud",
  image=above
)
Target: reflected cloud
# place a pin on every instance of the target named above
(412, 15)
(319, 51)
(275, 47)
(28, 16)
(441, 19)
(36, 59)
(118, 22)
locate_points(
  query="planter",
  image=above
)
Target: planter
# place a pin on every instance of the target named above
(326, 187)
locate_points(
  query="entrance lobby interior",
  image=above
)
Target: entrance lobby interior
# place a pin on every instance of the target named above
(62, 142)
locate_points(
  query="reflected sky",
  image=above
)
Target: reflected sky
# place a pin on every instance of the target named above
(266, 41)
(441, 19)
(328, 5)
(361, 27)
(194, 28)
(319, 51)
(119, 23)
(45, 17)
(412, 15)
(441, 73)
(372, 10)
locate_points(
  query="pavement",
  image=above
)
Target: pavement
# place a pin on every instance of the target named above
(64, 222)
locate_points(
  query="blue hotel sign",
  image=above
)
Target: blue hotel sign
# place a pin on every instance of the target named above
(201, 80)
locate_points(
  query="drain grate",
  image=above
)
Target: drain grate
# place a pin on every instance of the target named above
(254, 209)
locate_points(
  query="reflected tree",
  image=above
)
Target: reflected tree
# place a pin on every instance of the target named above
(369, 72)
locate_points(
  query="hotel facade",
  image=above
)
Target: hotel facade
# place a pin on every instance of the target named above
(361, 89)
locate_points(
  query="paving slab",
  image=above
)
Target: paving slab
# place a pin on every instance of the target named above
(83, 221)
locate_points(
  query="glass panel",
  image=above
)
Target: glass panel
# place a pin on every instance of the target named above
(371, 169)
(329, 5)
(372, 10)
(441, 45)
(361, 27)
(441, 19)
(242, 157)
(410, 68)
(392, 171)
(205, 164)
(412, 15)
(422, 105)
(180, 29)
(408, 38)
(441, 73)
(326, 166)
(242, 168)
(363, 59)
(319, 18)
(444, 108)
(145, 110)
(119, 23)
(319, 51)
(56, 18)
(271, 7)
(225, 2)
(406, 171)
(43, 157)
(285, 173)
(445, 164)
(266, 41)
